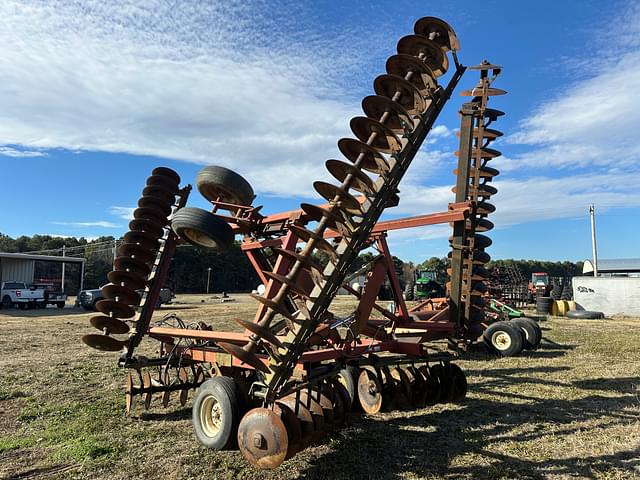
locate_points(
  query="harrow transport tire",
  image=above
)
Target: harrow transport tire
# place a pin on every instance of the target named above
(348, 379)
(219, 183)
(585, 314)
(532, 332)
(202, 228)
(504, 338)
(216, 412)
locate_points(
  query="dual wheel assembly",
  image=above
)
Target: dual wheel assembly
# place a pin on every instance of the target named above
(268, 435)
(510, 337)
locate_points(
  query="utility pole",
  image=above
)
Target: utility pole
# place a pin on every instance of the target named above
(594, 247)
(208, 278)
(64, 254)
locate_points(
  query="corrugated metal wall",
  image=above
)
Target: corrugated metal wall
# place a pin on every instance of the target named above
(14, 270)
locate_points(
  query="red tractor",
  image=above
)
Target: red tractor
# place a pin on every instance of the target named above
(539, 286)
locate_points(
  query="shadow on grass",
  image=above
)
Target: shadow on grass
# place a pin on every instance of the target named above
(44, 312)
(169, 416)
(435, 443)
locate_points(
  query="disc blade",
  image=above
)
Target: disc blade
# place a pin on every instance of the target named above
(104, 343)
(262, 332)
(115, 309)
(386, 141)
(113, 325)
(263, 438)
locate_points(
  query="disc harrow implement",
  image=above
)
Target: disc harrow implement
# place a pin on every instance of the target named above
(299, 368)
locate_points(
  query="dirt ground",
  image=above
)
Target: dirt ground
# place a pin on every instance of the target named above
(568, 410)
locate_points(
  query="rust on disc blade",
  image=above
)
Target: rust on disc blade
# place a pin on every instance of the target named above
(155, 202)
(136, 251)
(319, 242)
(307, 261)
(149, 226)
(478, 92)
(164, 182)
(432, 386)
(151, 213)
(428, 51)
(293, 286)
(133, 266)
(334, 221)
(166, 398)
(168, 173)
(395, 115)
(459, 380)
(113, 325)
(291, 423)
(439, 31)
(485, 208)
(305, 419)
(487, 133)
(115, 309)
(276, 307)
(346, 201)
(262, 332)
(143, 239)
(146, 384)
(372, 160)
(159, 192)
(421, 75)
(484, 172)
(263, 438)
(369, 391)
(316, 413)
(127, 279)
(244, 356)
(410, 98)
(121, 294)
(403, 394)
(327, 408)
(128, 392)
(492, 113)
(485, 66)
(480, 224)
(482, 190)
(104, 343)
(385, 141)
(361, 182)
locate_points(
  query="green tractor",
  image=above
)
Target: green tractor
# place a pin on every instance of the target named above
(424, 285)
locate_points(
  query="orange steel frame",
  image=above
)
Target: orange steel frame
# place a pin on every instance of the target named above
(436, 322)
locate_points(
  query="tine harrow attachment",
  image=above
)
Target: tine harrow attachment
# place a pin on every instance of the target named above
(299, 368)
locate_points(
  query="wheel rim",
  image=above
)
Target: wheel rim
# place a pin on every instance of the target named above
(211, 416)
(501, 340)
(199, 238)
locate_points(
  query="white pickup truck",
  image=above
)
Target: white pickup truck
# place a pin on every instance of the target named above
(18, 294)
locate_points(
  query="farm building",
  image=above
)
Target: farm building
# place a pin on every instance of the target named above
(616, 267)
(22, 267)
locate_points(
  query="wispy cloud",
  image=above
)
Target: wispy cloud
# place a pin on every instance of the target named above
(125, 213)
(98, 223)
(19, 153)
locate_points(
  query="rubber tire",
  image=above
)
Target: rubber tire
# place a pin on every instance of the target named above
(218, 231)
(515, 335)
(347, 377)
(215, 182)
(585, 314)
(60, 304)
(543, 305)
(532, 332)
(408, 291)
(227, 392)
(6, 302)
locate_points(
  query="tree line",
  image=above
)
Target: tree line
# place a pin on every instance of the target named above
(230, 271)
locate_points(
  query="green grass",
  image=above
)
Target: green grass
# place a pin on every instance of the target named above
(569, 410)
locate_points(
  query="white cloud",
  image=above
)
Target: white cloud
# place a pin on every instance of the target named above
(202, 83)
(98, 223)
(125, 213)
(16, 153)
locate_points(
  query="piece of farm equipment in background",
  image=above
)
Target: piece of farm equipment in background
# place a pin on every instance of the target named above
(298, 367)
(425, 284)
(539, 286)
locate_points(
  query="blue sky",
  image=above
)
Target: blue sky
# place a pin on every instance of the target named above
(96, 94)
